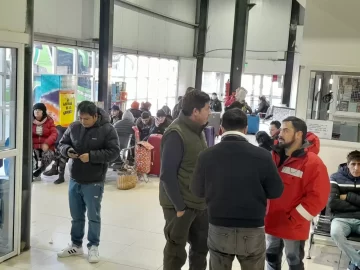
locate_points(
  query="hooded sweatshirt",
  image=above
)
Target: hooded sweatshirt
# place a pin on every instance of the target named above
(101, 143)
(124, 129)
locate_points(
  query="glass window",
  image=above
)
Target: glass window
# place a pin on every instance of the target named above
(83, 89)
(65, 60)
(130, 65)
(172, 88)
(143, 69)
(209, 82)
(164, 68)
(153, 88)
(85, 62)
(276, 102)
(171, 102)
(163, 85)
(2, 60)
(8, 103)
(43, 59)
(131, 87)
(162, 101)
(266, 87)
(173, 69)
(7, 190)
(142, 88)
(247, 83)
(154, 68)
(277, 90)
(118, 65)
(257, 83)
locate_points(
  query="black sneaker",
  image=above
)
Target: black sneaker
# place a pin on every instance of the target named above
(52, 171)
(37, 173)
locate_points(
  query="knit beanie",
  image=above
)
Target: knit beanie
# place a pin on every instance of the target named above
(40, 106)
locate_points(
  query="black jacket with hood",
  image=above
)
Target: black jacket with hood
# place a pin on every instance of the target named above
(100, 141)
(343, 182)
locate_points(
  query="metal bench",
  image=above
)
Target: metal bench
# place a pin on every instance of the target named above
(322, 227)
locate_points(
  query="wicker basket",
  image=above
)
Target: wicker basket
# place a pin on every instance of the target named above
(125, 182)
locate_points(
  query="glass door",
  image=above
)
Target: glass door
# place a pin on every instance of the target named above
(10, 155)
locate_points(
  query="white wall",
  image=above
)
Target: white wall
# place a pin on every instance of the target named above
(12, 15)
(267, 38)
(140, 32)
(331, 43)
(268, 27)
(252, 66)
(66, 18)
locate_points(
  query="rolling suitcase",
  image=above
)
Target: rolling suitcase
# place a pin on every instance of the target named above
(210, 136)
(253, 124)
(155, 141)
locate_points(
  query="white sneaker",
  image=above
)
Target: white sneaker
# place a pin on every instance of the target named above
(94, 256)
(70, 250)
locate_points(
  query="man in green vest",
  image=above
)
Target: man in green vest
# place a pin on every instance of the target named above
(185, 214)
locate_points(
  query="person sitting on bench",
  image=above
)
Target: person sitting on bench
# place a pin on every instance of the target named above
(344, 203)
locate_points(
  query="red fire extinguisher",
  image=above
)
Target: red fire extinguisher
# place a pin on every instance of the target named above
(227, 88)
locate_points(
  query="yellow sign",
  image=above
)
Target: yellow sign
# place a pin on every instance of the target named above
(67, 108)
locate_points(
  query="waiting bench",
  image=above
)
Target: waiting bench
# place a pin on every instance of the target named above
(322, 227)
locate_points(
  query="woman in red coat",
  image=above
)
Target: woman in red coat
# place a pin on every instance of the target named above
(44, 135)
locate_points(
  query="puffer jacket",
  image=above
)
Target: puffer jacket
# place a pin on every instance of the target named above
(100, 142)
(342, 182)
(306, 192)
(48, 136)
(314, 143)
(124, 129)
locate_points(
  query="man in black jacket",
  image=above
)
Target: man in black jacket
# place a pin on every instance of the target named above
(215, 103)
(344, 204)
(236, 192)
(90, 143)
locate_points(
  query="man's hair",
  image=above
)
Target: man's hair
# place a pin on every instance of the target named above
(234, 119)
(353, 156)
(145, 115)
(298, 124)
(180, 98)
(189, 89)
(276, 123)
(214, 94)
(195, 99)
(87, 107)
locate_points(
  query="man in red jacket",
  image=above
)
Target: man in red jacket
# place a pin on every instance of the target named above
(306, 191)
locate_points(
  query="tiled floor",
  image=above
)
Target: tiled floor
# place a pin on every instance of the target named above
(131, 237)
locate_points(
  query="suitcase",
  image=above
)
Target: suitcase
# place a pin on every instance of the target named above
(155, 141)
(210, 136)
(253, 124)
(214, 121)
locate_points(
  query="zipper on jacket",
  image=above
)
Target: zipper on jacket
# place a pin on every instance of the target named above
(355, 182)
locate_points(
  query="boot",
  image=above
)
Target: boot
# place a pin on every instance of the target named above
(60, 180)
(52, 171)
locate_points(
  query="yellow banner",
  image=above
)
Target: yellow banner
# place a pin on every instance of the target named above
(67, 108)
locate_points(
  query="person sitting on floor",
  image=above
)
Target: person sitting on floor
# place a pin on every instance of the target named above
(344, 203)
(144, 124)
(124, 129)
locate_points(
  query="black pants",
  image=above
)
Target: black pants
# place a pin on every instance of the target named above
(193, 228)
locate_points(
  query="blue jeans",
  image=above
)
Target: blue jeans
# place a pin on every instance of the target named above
(84, 197)
(294, 251)
(342, 228)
